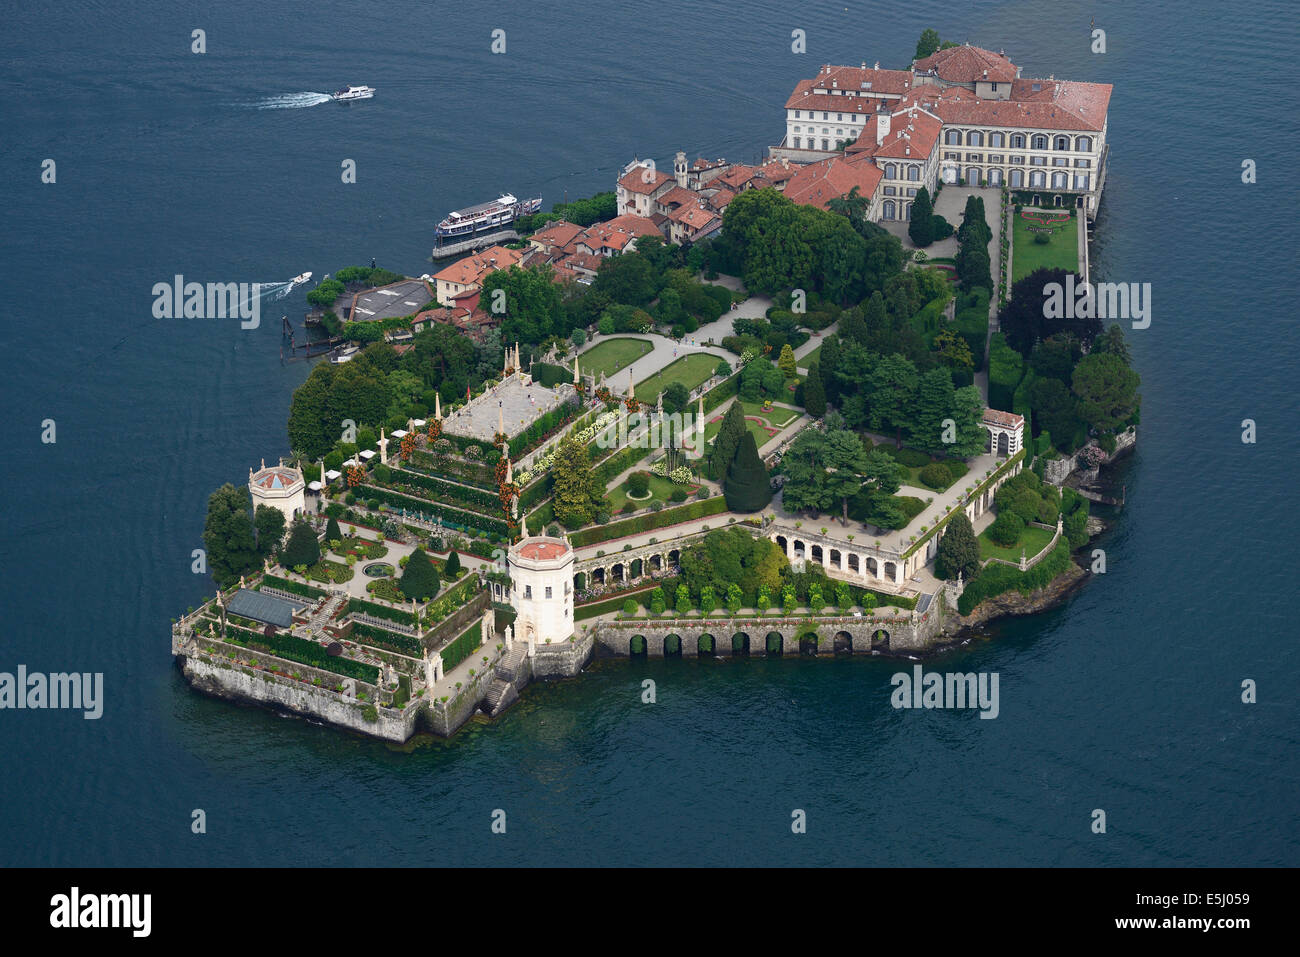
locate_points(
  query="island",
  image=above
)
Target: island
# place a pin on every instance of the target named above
(814, 406)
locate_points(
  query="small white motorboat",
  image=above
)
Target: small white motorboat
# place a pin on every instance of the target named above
(354, 93)
(301, 278)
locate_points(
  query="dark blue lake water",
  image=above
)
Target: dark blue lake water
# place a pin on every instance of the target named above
(1127, 699)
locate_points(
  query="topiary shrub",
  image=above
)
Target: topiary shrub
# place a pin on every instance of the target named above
(638, 485)
(1006, 529)
(936, 476)
(679, 495)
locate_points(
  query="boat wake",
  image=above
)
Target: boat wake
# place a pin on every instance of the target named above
(291, 101)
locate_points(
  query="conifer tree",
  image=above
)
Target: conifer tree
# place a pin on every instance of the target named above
(302, 548)
(578, 494)
(958, 550)
(420, 578)
(921, 229)
(747, 487)
(786, 363)
(727, 441)
(814, 392)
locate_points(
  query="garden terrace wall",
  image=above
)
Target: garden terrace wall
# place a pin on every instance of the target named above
(458, 649)
(294, 588)
(476, 474)
(474, 499)
(965, 497)
(649, 522)
(996, 578)
(445, 612)
(388, 640)
(301, 651)
(387, 612)
(468, 520)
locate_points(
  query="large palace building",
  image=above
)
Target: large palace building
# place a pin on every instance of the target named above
(960, 115)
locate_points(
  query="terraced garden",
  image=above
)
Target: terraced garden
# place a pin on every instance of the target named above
(689, 370)
(613, 354)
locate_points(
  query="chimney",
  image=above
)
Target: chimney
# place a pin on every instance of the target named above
(882, 127)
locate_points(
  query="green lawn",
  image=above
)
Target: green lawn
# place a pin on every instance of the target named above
(803, 362)
(1032, 540)
(613, 354)
(760, 434)
(689, 370)
(780, 416)
(661, 490)
(1026, 256)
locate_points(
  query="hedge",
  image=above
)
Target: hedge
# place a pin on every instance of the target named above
(619, 462)
(996, 578)
(549, 375)
(389, 640)
(307, 591)
(382, 611)
(1020, 398)
(450, 600)
(720, 393)
(646, 523)
(471, 498)
(470, 520)
(302, 651)
(1006, 367)
(461, 647)
(469, 473)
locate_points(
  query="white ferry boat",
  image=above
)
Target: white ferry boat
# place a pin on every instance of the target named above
(498, 214)
(354, 93)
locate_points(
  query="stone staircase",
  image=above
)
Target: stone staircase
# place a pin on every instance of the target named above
(318, 621)
(509, 677)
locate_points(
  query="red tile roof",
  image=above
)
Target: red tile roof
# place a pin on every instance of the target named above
(472, 269)
(912, 129)
(643, 180)
(967, 64)
(1059, 105)
(1006, 420)
(542, 550)
(559, 233)
(676, 197)
(807, 96)
(818, 183)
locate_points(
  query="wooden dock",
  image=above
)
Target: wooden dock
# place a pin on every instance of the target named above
(480, 241)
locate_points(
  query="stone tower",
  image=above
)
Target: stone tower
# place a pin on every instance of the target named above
(679, 169)
(541, 588)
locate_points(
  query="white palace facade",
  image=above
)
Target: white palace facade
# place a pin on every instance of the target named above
(961, 115)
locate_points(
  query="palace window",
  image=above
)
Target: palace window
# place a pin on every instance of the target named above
(1038, 161)
(796, 143)
(1017, 178)
(1017, 141)
(1040, 142)
(1081, 181)
(1017, 159)
(891, 171)
(974, 158)
(1083, 144)
(796, 115)
(914, 173)
(1060, 161)
(1062, 143)
(911, 192)
(548, 591)
(528, 591)
(826, 144)
(974, 138)
(891, 191)
(952, 138)
(995, 158)
(1083, 164)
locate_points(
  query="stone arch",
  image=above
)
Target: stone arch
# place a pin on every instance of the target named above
(673, 556)
(616, 572)
(706, 644)
(636, 568)
(880, 640)
(817, 554)
(656, 563)
(891, 571)
(808, 644)
(783, 543)
(774, 644)
(799, 548)
(672, 646)
(854, 564)
(740, 643)
(580, 581)
(598, 576)
(873, 566)
(843, 643)
(837, 558)
(637, 646)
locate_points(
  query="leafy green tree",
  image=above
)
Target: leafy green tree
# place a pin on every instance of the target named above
(843, 597)
(788, 600)
(629, 608)
(805, 475)
(1107, 390)
(301, 548)
(928, 44)
(747, 487)
(228, 535)
(578, 493)
(1006, 529)
(935, 397)
(734, 598)
(269, 523)
(958, 550)
(814, 391)
(1055, 410)
(708, 600)
(727, 441)
(683, 599)
(420, 577)
(723, 369)
(921, 229)
(578, 337)
(533, 308)
(828, 362)
(787, 363)
(1112, 341)
(844, 461)
(891, 395)
(1024, 319)
(627, 279)
(676, 398)
(309, 431)
(657, 601)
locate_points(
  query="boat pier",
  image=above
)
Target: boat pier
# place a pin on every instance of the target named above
(480, 241)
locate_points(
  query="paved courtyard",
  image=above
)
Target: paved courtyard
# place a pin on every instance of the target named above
(516, 404)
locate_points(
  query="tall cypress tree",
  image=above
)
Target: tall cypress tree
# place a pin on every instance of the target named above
(301, 547)
(958, 550)
(747, 487)
(814, 392)
(829, 360)
(921, 230)
(420, 578)
(332, 531)
(727, 441)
